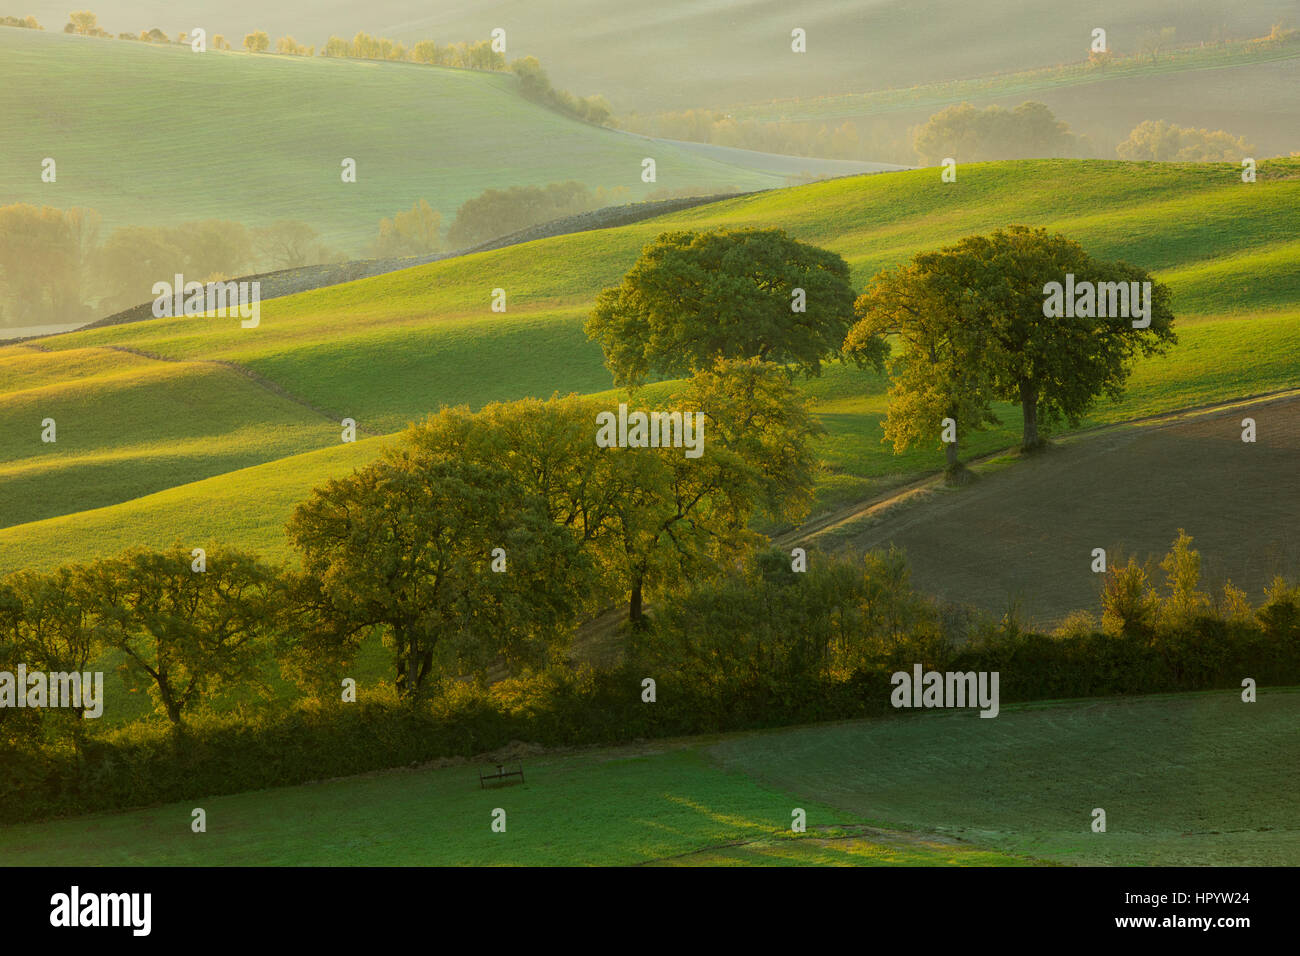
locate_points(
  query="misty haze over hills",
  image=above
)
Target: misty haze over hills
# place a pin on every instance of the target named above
(679, 54)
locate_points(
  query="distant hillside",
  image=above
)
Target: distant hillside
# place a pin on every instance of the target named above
(283, 282)
(153, 134)
(1247, 88)
(679, 54)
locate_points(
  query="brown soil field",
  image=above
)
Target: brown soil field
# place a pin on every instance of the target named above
(1025, 532)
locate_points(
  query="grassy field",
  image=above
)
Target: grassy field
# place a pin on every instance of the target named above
(1214, 785)
(154, 135)
(1197, 779)
(144, 440)
(608, 808)
(123, 421)
(681, 54)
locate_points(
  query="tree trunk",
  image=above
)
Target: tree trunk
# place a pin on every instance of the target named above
(634, 611)
(1029, 406)
(173, 709)
(950, 452)
(426, 665)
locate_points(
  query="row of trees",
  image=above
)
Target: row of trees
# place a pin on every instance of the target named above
(499, 212)
(878, 139)
(181, 634)
(1133, 604)
(494, 212)
(961, 131)
(1029, 131)
(469, 56)
(960, 328)
(56, 266)
(185, 635)
(479, 55)
(482, 539)
(473, 56)
(762, 625)
(85, 23)
(535, 85)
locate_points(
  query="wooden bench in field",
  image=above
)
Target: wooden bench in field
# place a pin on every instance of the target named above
(500, 777)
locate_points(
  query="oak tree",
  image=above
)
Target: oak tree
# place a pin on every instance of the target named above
(695, 297)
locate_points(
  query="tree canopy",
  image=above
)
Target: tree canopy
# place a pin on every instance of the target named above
(647, 516)
(975, 317)
(406, 546)
(693, 298)
(186, 633)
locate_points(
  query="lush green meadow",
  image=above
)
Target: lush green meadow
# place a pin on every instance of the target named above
(197, 432)
(1195, 779)
(123, 427)
(152, 450)
(152, 134)
(609, 808)
(1212, 784)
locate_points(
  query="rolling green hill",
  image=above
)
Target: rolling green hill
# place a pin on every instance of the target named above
(156, 134)
(198, 398)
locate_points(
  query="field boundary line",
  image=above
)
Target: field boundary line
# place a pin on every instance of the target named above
(257, 379)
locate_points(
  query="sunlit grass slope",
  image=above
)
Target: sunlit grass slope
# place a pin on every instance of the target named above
(125, 426)
(389, 349)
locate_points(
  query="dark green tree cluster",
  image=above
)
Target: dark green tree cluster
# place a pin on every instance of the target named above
(181, 634)
(693, 298)
(971, 328)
